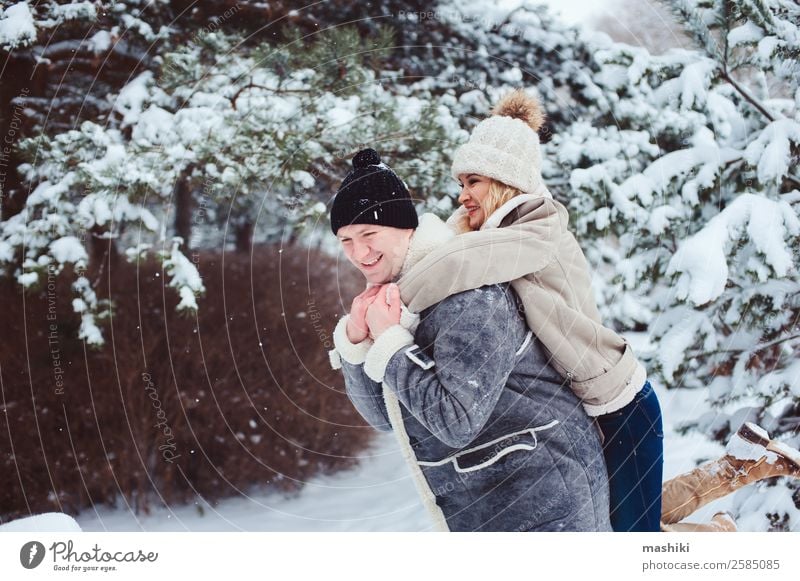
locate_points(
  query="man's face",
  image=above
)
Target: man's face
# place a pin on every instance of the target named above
(377, 251)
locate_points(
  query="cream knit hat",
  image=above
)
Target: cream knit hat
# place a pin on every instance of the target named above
(505, 146)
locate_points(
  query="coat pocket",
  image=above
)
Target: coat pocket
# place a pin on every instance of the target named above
(478, 457)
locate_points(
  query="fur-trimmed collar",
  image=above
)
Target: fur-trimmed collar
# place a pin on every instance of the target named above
(497, 216)
(429, 235)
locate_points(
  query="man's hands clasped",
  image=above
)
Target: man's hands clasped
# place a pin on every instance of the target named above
(373, 311)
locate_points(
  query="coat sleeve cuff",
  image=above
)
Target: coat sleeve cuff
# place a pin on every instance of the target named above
(408, 320)
(335, 359)
(354, 353)
(383, 349)
(633, 387)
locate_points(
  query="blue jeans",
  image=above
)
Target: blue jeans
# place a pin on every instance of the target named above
(633, 447)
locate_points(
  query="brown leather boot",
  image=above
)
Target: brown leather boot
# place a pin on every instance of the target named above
(752, 456)
(758, 441)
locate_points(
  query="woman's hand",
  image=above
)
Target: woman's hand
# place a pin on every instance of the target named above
(384, 313)
(357, 329)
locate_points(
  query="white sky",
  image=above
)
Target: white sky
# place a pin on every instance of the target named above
(575, 11)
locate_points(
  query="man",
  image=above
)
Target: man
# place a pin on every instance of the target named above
(493, 440)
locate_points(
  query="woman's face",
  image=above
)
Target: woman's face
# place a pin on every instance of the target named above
(474, 191)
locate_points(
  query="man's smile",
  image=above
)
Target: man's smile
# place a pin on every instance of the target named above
(372, 262)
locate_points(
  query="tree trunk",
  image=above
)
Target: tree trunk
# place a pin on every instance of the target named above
(183, 210)
(102, 251)
(244, 237)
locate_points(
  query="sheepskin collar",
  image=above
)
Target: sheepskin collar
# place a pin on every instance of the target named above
(429, 235)
(497, 216)
(455, 221)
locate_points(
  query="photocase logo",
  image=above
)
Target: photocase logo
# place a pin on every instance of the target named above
(31, 554)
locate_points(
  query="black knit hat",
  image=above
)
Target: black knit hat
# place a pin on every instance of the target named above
(372, 194)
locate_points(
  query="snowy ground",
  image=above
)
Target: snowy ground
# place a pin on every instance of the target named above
(377, 496)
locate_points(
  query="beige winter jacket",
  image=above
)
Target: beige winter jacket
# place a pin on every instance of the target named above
(534, 250)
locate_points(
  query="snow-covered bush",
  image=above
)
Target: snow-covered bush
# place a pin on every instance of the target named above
(177, 408)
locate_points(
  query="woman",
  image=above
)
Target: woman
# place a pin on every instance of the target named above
(494, 441)
(513, 230)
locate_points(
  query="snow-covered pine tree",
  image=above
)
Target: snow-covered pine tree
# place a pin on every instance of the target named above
(685, 185)
(245, 132)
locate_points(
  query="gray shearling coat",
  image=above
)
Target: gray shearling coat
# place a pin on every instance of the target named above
(493, 437)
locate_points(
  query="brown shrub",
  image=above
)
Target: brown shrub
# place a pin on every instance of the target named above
(173, 406)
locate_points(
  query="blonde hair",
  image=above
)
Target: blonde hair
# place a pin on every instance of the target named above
(499, 193)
